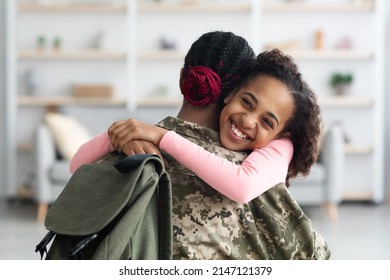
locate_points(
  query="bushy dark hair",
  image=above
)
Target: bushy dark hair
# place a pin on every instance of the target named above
(222, 52)
(304, 127)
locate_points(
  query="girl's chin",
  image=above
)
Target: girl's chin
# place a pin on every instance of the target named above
(231, 145)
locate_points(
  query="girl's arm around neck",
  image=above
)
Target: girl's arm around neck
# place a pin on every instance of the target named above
(261, 170)
(91, 151)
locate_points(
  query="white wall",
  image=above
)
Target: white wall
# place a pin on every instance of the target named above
(2, 98)
(387, 103)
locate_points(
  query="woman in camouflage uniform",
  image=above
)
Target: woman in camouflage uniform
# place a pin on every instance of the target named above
(207, 224)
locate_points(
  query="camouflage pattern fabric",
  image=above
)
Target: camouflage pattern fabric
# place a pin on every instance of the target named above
(208, 225)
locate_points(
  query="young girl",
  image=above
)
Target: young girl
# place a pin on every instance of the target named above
(221, 55)
(255, 116)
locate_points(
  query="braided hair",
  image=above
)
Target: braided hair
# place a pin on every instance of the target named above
(304, 126)
(211, 66)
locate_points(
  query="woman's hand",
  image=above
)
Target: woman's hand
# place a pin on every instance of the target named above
(121, 132)
(135, 147)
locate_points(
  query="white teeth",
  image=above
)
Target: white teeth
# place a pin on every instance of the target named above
(238, 133)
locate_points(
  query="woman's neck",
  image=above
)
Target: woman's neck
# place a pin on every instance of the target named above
(207, 116)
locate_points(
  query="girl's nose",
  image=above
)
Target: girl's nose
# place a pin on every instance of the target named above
(248, 121)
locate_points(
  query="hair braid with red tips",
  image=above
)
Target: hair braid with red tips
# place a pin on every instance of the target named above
(202, 86)
(211, 67)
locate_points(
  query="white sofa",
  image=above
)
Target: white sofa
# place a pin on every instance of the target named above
(323, 186)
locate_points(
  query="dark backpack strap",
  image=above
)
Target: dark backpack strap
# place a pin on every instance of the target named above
(42, 246)
(76, 252)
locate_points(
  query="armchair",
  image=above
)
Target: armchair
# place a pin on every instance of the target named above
(52, 173)
(323, 186)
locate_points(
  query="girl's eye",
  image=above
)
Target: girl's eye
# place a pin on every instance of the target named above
(268, 123)
(246, 102)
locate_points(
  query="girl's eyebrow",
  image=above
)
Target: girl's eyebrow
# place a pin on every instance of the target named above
(252, 96)
(255, 100)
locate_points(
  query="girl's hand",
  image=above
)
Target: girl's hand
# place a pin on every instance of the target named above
(135, 147)
(124, 131)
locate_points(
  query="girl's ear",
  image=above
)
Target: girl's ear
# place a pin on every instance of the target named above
(228, 98)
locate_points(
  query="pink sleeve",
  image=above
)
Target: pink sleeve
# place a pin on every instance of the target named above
(91, 151)
(261, 170)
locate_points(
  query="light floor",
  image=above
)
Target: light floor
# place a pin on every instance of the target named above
(362, 231)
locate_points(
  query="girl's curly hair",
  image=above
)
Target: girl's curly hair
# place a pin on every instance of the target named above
(304, 126)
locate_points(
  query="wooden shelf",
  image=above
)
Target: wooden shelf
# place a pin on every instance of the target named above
(345, 101)
(79, 8)
(194, 7)
(328, 101)
(296, 54)
(71, 54)
(347, 54)
(160, 102)
(69, 101)
(321, 8)
(351, 149)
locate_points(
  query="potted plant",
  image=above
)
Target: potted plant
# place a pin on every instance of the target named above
(341, 82)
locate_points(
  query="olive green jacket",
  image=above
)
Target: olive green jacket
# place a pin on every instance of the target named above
(208, 225)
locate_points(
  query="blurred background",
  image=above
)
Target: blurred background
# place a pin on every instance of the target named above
(70, 68)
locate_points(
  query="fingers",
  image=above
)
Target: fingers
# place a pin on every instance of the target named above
(140, 147)
(122, 132)
(150, 148)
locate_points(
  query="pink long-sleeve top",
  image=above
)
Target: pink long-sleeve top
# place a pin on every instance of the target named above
(91, 151)
(261, 170)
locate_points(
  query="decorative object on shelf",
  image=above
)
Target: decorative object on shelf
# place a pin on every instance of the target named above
(93, 90)
(167, 44)
(161, 91)
(33, 81)
(102, 41)
(341, 82)
(346, 137)
(319, 40)
(344, 43)
(57, 43)
(41, 42)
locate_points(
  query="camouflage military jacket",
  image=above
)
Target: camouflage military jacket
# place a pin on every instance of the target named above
(208, 225)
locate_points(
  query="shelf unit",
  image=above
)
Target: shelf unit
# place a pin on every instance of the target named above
(149, 69)
(364, 152)
(315, 7)
(361, 112)
(209, 7)
(69, 101)
(72, 55)
(23, 54)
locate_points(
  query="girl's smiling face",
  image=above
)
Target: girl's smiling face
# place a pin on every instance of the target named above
(255, 114)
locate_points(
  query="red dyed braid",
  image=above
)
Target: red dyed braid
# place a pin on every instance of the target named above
(202, 86)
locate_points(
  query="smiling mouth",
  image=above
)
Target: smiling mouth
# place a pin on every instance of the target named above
(238, 133)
